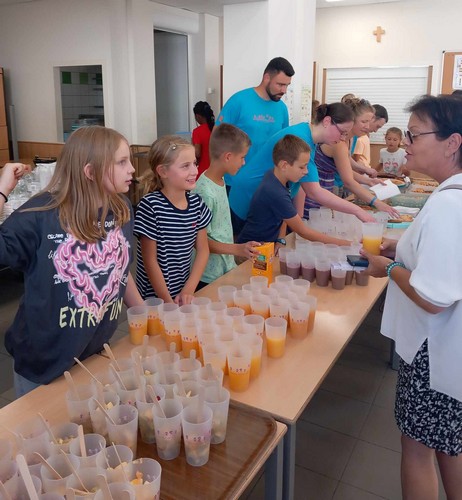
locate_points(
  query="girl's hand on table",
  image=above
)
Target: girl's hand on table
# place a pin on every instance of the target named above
(377, 264)
(183, 298)
(383, 207)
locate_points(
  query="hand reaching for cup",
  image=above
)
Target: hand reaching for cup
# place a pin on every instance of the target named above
(248, 250)
(10, 174)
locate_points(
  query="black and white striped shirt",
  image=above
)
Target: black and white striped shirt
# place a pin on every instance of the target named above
(175, 233)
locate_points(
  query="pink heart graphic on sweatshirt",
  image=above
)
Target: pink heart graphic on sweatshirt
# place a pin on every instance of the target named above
(93, 271)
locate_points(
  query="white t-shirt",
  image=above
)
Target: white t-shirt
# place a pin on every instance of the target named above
(431, 249)
(392, 162)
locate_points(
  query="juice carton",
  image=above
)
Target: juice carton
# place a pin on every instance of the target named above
(263, 264)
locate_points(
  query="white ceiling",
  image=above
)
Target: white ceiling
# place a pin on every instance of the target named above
(215, 7)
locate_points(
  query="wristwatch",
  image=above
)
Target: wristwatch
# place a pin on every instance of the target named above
(282, 241)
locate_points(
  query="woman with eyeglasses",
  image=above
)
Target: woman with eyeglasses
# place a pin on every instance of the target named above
(423, 307)
(332, 159)
(331, 125)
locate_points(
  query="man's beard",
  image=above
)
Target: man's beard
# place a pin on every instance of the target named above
(273, 97)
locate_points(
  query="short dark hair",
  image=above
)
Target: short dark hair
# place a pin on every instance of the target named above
(289, 148)
(445, 111)
(457, 93)
(380, 112)
(394, 130)
(338, 112)
(227, 138)
(279, 64)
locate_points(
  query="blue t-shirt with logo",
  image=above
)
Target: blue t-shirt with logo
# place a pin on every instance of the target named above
(246, 181)
(257, 117)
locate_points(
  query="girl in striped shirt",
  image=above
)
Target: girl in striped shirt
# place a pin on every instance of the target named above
(170, 222)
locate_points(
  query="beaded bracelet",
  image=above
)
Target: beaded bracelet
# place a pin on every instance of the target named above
(391, 266)
(371, 203)
(4, 196)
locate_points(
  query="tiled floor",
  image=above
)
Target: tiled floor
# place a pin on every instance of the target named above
(348, 445)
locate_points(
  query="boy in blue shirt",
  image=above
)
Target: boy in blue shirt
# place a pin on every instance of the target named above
(271, 209)
(228, 146)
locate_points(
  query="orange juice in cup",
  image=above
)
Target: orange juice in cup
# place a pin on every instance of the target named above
(239, 358)
(298, 319)
(372, 237)
(172, 329)
(154, 324)
(137, 324)
(276, 330)
(275, 347)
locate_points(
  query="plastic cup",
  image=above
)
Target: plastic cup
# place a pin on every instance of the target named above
(338, 277)
(207, 379)
(167, 382)
(256, 345)
(300, 286)
(142, 352)
(21, 492)
(64, 434)
(191, 389)
(152, 307)
(125, 429)
(293, 265)
(208, 315)
(226, 294)
(163, 309)
(236, 314)
(201, 302)
(168, 428)
(260, 306)
(279, 308)
(372, 236)
(9, 476)
(98, 419)
(242, 300)
(145, 420)
(258, 282)
(33, 437)
(115, 460)
(362, 278)
(169, 360)
(137, 323)
(313, 302)
(51, 496)
(188, 368)
(148, 471)
(276, 330)
(239, 360)
(257, 321)
(118, 490)
(94, 443)
(217, 399)
(133, 384)
(89, 478)
(172, 322)
(298, 319)
(317, 248)
(218, 308)
(322, 271)
(197, 433)
(189, 328)
(106, 378)
(215, 354)
(284, 280)
(6, 450)
(283, 252)
(60, 464)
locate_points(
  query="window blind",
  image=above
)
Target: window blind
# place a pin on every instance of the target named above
(393, 87)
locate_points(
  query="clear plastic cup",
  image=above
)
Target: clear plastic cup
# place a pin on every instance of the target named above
(239, 361)
(322, 271)
(201, 302)
(145, 420)
(258, 282)
(276, 330)
(9, 476)
(188, 368)
(362, 278)
(137, 317)
(242, 300)
(217, 399)
(313, 302)
(207, 379)
(6, 450)
(282, 254)
(61, 465)
(293, 265)
(152, 307)
(226, 294)
(133, 384)
(98, 419)
(197, 432)
(168, 428)
(125, 429)
(218, 308)
(21, 492)
(301, 286)
(255, 342)
(168, 360)
(89, 478)
(148, 473)
(115, 460)
(164, 309)
(257, 321)
(172, 322)
(94, 443)
(33, 436)
(299, 313)
(215, 354)
(118, 490)
(260, 305)
(372, 236)
(338, 276)
(284, 280)
(191, 389)
(167, 381)
(142, 352)
(189, 328)
(279, 308)
(51, 496)
(236, 314)
(64, 434)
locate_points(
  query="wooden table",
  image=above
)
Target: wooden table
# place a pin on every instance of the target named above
(253, 439)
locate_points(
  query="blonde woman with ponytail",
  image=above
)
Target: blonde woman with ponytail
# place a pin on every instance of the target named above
(170, 224)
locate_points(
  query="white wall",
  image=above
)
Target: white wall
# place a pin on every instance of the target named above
(417, 32)
(118, 34)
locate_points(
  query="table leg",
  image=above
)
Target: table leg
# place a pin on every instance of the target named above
(289, 462)
(273, 473)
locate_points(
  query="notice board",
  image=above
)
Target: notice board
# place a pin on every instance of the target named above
(451, 75)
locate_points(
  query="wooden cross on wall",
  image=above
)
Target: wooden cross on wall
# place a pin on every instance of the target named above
(378, 33)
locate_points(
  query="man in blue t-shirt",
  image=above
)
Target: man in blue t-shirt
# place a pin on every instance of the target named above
(259, 111)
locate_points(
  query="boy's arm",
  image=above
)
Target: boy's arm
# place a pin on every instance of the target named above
(246, 250)
(296, 224)
(149, 253)
(197, 269)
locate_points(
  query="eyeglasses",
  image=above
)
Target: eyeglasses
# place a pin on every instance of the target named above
(410, 136)
(343, 133)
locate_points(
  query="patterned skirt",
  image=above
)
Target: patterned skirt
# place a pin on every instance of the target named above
(427, 416)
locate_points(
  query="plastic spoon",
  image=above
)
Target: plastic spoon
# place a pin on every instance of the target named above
(80, 435)
(117, 376)
(111, 356)
(153, 395)
(102, 483)
(47, 465)
(106, 414)
(27, 478)
(180, 386)
(120, 463)
(74, 472)
(71, 385)
(87, 370)
(48, 428)
(4, 492)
